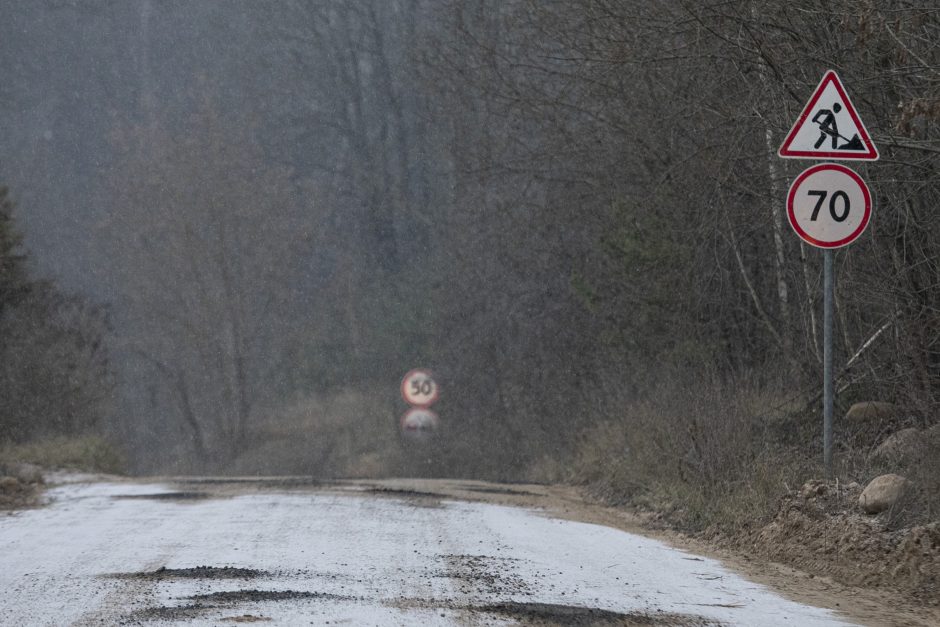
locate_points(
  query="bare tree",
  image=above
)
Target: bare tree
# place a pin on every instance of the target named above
(211, 233)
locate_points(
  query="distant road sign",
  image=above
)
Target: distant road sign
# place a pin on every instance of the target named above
(419, 423)
(419, 388)
(829, 127)
(829, 205)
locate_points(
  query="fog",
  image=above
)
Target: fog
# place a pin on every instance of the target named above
(260, 216)
(203, 165)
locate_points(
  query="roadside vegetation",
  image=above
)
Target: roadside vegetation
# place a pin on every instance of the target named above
(644, 320)
(55, 380)
(85, 453)
(727, 470)
(650, 321)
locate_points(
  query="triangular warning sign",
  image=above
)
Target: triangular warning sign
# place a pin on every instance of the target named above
(829, 127)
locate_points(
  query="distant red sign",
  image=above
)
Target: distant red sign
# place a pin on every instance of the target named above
(419, 388)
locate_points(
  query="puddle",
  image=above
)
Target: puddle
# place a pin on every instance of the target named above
(510, 491)
(412, 498)
(268, 482)
(402, 492)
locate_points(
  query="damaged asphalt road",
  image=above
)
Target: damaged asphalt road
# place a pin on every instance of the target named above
(215, 552)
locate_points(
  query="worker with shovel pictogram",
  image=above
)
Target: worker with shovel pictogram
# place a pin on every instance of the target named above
(826, 120)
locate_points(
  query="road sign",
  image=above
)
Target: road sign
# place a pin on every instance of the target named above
(829, 205)
(829, 127)
(419, 423)
(419, 388)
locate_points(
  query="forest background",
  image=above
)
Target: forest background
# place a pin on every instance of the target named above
(244, 222)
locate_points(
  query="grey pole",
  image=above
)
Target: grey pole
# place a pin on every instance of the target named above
(828, 396)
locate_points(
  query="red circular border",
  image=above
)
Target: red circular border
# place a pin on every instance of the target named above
(427, 373)
(806, 237)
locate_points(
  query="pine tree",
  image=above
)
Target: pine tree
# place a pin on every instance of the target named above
(14, 284)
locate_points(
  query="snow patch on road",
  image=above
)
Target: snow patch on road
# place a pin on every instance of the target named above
(341, 557)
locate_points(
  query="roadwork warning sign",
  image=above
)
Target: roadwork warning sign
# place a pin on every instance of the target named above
(829, 127)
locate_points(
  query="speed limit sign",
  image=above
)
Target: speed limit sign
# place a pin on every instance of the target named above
(829, 205)
(419, 388)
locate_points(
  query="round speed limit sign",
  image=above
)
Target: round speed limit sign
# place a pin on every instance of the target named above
(419, 388)
(829, 205)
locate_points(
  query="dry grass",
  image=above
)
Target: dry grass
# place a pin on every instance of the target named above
(342, 434)
(703, 455)
(86, 454)
(707, 454)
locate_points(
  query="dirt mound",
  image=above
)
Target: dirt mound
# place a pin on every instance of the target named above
(821, 532)
(20, 485)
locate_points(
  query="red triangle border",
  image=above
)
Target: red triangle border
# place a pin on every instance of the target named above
(871, 154)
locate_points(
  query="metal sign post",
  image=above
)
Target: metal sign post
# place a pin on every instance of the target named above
(829, 205)
(828, 395)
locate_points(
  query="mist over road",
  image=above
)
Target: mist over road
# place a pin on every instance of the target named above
(211, 552)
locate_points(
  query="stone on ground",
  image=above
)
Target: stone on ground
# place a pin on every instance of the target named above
(902, 447)
(872, 410)
(882, 493)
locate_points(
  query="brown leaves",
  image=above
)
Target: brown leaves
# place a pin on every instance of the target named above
(915, 113)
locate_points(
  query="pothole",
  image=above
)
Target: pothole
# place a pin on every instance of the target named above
(218, 601)
(550, 614)
(556, 615)
(481, 574)
(166, 496)
(177, 613)
(238, 596)
(196, 572)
